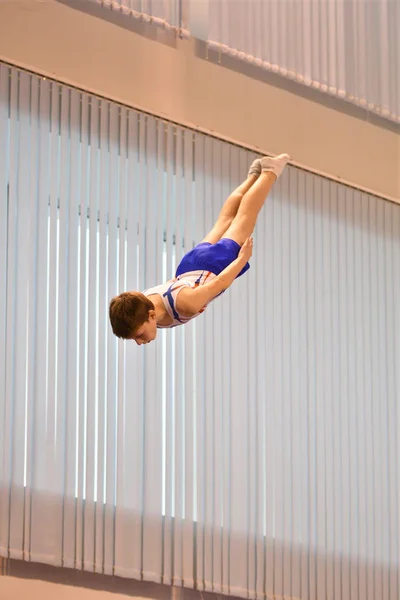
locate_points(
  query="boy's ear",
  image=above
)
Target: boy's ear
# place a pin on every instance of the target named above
(152, 314)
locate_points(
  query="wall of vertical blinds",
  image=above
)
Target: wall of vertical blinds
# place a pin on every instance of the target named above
(252, 452)
(347, 48)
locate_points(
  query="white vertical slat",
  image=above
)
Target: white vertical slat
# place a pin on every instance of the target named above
(315, 44)
(344, 60)
(207, 481)
(327, 392)
(143, 282)
(257, 273)
(305, 57)
(334, 566)
(343, 389)
(167, 573)
(352, 393)
(179, 369)
(293, 352)
(91, 356)
(359, 503)
(215, 415)
(152, 522)
(281, 33)
(375, 401)
(20, 198)
(381, 426)
(100, 400)
(278, 458)
(82, 341)
(9, 88)
(251, 392)
(120, 282)
(372, 10)
(302, 364)
(71, 225)
(382, 82)
(51, 506)
(392, 279)
(27, 210)
(311, 390)
(113, 258)
(162, 190)
(201, 349)
(207, 416)
(287, 369)
(128, 522)
(385, 408)
(345, 68)
(31, 314)
(269, 407)
(368, 368)
(332, 28)
(4, 211)
(274, 21)
(396, 60)
(5, 145)
(293, 31)
(361, 86)
(319, 410)
(395, 349)
(239, 500)
(353, 45)
(236, 171)
(82, 351)
(190, 391)
(252, 442)
(41, 544)
(63, 292)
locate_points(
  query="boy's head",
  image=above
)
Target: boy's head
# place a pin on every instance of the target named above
(133, 317)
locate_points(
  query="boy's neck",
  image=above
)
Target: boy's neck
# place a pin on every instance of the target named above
(162, 317)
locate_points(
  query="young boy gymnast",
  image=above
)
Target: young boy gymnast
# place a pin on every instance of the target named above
(207, 270)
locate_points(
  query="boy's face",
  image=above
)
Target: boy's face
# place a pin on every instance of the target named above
(148, 331)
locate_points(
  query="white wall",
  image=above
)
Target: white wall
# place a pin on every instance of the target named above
(13, 588)
(168, 79)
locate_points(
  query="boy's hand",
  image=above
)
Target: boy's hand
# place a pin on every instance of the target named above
(246, 250)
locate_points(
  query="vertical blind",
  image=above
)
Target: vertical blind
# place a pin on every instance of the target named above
(347, 48)
(252, 452)
(169, 14)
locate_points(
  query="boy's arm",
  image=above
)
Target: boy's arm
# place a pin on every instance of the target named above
(190, 301)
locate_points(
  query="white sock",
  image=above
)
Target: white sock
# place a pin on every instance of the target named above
(255, 168)
(275, 164)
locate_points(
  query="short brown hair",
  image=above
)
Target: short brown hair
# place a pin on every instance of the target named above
(128, 312)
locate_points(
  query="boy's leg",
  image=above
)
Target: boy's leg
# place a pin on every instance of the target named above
(231, 205)
(244, 222)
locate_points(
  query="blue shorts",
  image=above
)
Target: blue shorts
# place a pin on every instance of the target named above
(211, 257)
